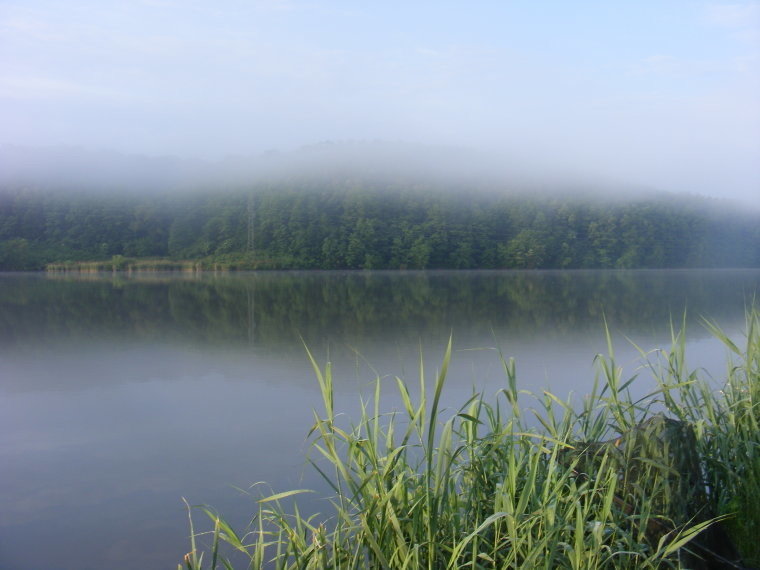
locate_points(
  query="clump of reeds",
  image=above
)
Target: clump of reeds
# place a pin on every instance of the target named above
(503, 484)
(726, 419)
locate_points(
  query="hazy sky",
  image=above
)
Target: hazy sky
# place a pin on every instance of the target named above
(655, 92)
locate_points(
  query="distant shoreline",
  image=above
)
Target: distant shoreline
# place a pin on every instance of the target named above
(210, 266)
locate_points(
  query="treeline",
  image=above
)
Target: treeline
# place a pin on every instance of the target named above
(356, 225)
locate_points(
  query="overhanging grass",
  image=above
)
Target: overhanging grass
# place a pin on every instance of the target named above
(599, 484)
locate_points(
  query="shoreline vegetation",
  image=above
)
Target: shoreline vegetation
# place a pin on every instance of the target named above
(359, 224)
(137, 265)
(526, 480)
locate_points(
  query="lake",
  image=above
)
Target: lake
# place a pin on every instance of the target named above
(121, 394)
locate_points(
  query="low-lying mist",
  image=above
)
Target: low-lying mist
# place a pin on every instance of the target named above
(378, 164)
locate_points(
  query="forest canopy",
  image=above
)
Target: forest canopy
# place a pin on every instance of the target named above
(355, 224)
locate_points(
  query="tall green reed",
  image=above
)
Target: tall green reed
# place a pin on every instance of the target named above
(523, 481)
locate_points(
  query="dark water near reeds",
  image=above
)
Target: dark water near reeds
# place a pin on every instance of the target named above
(121, 394)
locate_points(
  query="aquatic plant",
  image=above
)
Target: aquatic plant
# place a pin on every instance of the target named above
(726, 419)
(526, 480)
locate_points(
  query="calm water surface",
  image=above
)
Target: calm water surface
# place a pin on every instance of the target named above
(119, 395)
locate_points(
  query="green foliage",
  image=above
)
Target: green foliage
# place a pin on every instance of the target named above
(491, 486)
(526, 250)
(354, 225)
(728, 428)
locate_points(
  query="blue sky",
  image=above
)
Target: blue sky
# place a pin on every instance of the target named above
(659, 93)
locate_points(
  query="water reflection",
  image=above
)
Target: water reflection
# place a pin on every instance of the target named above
(273, 309)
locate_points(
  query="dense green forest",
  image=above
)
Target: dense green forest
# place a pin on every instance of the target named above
(353, 224)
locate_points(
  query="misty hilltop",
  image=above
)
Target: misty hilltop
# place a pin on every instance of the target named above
(445, 168)
(350, 206)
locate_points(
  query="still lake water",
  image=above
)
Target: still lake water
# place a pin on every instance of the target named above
(121, 394)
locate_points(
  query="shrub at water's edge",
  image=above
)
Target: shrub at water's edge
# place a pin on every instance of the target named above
(607, 483)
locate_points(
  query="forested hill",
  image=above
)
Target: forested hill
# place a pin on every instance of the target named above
(351, 224)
